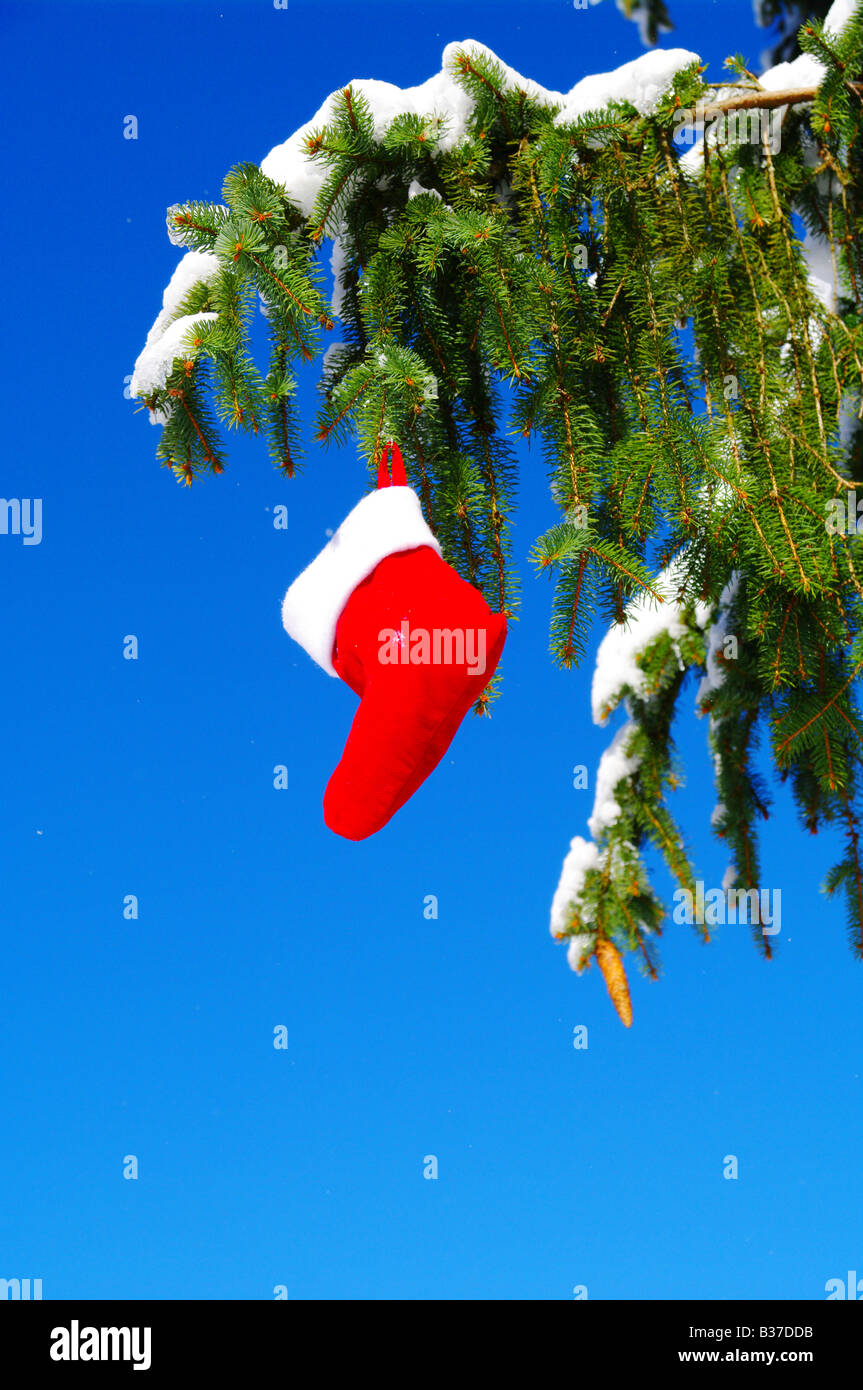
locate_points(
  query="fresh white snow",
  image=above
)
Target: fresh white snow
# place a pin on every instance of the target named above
(164, 339)
(338, 260)
(615, 765)
(441, 97)
(715, 638)
(641, 82)
(153, 367)
(415, 190)
(617, 658)
(580, 945)
(617, 669)
(583, 855)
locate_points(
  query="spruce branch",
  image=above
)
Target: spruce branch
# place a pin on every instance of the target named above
(679, 344)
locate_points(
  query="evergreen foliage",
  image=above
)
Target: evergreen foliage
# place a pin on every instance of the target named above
(651, 326)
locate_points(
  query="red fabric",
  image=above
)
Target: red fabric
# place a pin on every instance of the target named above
(398, 479)
(409, 711)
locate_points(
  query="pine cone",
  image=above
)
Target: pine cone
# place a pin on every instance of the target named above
(614, 975)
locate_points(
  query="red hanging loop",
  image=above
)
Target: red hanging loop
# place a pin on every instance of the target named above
(399, 478)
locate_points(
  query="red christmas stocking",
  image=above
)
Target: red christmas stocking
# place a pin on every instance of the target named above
(380, 608)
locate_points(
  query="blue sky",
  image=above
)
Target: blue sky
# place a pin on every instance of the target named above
(154, 777)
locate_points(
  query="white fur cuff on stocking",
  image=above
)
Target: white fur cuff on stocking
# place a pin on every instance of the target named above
(382, 524)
